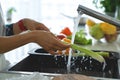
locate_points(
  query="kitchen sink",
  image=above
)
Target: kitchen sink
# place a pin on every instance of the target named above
(41, 61)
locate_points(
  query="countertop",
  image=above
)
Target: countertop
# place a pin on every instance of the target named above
(4, 75)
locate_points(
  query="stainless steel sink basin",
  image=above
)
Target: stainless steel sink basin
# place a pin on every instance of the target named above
(41, 61)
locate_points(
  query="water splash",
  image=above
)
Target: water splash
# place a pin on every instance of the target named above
(104, 65)
(76, 22)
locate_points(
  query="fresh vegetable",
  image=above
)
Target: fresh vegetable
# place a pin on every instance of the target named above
(90, 22)
(80, 38)
(94, 55)
(84, 52)
(66, 40)
(110, 32)
(96, 32)
(104, 54)
(66, 31)
(108, 28)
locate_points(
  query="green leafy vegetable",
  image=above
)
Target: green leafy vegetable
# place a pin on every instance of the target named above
(94, 55)
(80, 38)
(104, 54)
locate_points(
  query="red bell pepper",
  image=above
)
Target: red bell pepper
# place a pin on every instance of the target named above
(66, 31)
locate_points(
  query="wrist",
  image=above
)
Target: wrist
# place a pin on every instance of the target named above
(29, 36)
(35, 36)
(32, 36)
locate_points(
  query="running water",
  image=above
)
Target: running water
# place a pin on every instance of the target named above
(76, 22)
(104, 65)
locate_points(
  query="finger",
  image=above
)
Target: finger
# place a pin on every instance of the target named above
(42, 27)
(62, 47)
(59, 45)
(51, 51)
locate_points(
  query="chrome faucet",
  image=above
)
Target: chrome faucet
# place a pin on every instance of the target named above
(98, 15)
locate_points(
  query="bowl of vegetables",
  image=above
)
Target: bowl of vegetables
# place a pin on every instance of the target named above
(102, 30)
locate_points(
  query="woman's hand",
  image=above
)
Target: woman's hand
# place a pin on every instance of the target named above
(34, 25)
(29, 25)
(43, 38)
(41, 35)
(48, 41)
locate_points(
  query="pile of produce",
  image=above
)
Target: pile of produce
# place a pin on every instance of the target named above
(66, 35)
(80, 37)
(75, 47)
(102, 30)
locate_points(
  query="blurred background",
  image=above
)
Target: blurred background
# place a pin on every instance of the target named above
(48, 12)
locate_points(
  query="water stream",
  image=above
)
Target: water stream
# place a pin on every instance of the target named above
(76, 22)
